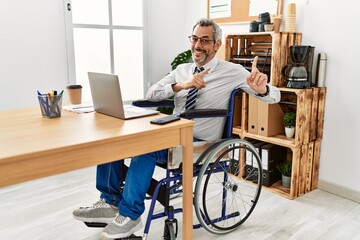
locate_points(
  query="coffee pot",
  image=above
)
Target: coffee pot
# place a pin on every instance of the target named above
(299, 72)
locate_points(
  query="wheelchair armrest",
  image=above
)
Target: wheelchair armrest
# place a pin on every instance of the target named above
(147, 103)
(204, 113)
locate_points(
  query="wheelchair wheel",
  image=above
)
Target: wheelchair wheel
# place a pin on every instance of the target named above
(225, 194)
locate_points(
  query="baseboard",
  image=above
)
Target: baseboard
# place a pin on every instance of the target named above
(339, 190)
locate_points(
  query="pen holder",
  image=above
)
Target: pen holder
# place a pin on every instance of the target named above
(50, 106)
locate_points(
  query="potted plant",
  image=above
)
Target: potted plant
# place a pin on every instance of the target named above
(285, 170)
(184, 57)
(289, 123)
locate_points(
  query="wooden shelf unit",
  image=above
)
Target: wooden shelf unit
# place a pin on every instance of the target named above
(304, 146)
(269, 46)
(308, 104)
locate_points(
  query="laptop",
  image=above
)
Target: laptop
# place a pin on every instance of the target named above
(106, 96)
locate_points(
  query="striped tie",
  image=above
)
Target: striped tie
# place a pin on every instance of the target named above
(191, 97)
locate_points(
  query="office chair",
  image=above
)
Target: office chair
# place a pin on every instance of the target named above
(226, 188)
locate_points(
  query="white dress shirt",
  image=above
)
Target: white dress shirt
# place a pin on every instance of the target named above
(222, 78)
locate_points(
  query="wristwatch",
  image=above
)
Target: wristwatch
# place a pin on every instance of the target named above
(264, 94)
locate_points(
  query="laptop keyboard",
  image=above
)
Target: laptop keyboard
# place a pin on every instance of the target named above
(133, 111)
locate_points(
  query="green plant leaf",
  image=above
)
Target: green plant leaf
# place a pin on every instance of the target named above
(285, 168)
(289, 119)
(183, 57)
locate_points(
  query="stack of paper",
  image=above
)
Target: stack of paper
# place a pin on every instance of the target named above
(81, 108)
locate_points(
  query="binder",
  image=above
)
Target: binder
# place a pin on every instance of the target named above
(253, 115)
(248, 166)
(258, 147)
(264, 119)
(270, 119)
(271, 155)
(249, 171)
(234, 161)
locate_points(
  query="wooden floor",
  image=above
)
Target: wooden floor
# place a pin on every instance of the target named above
(42, 210)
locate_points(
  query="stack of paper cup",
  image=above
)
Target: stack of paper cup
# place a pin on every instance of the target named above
(290, 19)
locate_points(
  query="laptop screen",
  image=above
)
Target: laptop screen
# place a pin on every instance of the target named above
(106, 96)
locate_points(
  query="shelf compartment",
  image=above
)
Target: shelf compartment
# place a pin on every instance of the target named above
(305, 169)
(309, 106)
(253, 44)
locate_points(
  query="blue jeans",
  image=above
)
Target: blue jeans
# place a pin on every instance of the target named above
(131, 201)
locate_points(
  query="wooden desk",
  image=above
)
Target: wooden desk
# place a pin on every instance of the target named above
(33, 147)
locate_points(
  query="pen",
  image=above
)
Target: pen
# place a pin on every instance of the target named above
(51, 98)
(54, 106)
(47, 105)
(43, 103)
(57, 105)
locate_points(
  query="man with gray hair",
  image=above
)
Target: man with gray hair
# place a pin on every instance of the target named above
(205, 83)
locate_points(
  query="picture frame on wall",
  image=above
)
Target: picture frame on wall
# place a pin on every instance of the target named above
(235, 11)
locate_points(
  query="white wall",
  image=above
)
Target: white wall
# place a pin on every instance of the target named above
(33, 56)
(166, 35)
(32, 51)
(324, 25)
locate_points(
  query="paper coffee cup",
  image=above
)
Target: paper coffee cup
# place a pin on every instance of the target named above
(74, 92)
(277, 23)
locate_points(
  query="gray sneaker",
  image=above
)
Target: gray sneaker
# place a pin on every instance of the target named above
(99, 212)
(122, 227)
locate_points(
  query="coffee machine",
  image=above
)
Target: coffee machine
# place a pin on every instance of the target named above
(299, 72)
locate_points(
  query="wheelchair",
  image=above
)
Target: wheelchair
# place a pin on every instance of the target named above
(226, 191)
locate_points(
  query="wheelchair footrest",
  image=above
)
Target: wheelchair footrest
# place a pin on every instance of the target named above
(132, 237)
(102, 225)
(95, 225)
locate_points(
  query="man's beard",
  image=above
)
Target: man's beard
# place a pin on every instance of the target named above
(203, 57)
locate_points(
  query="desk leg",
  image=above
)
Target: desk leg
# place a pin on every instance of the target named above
(187, 146)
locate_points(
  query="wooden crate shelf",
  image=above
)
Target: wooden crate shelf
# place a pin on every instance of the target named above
(278, 189)
(309, 104)
(304, 147)
(306, 160)
(272, 48)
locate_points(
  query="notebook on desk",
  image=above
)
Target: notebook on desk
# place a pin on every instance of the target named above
(106, 96)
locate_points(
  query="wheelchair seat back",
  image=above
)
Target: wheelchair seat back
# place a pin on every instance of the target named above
(175, 153)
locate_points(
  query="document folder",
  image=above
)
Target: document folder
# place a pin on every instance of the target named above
(249, 159)
(264, 119)
(271, 155)
(253, 115)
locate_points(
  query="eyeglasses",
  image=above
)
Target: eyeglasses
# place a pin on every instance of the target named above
(203, 41)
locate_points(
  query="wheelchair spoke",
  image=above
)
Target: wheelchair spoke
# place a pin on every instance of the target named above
(224, 200)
